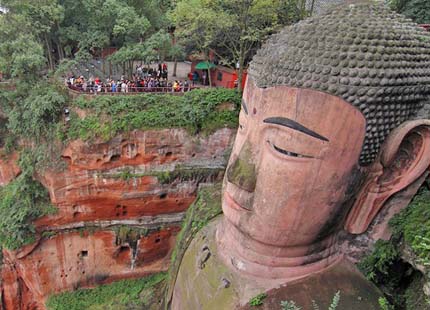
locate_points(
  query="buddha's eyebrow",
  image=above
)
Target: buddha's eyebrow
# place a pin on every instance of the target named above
(282, 121)
(245, 108)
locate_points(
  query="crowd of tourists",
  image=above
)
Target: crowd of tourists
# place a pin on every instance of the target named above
(143, 80)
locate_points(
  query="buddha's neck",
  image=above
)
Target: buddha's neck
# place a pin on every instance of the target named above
(257, 259)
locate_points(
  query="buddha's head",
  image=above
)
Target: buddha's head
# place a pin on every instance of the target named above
(331, 126)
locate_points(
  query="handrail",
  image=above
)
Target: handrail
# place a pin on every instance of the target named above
(106, 90)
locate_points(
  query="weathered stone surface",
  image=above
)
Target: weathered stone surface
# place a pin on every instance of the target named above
(8, 168)
(212, 293)
(71, 260)
(118, 180)
(142, 181)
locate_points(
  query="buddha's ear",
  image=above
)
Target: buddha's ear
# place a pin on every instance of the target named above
(404, 157)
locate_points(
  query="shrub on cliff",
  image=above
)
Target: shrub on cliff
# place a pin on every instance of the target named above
(33, 114)
(22, 201)
(125, 294)
(197, 111)
(385, 266)
(413, 224)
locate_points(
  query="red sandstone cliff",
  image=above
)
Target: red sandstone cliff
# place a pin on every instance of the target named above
(8, 169)
(120, 205)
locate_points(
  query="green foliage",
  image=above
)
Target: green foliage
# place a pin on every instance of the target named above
(233, 29)
(257, 300)
(157, 47)
(130, 235)
(3, 131)
(335, 301)
(114, 114)
(417, 10)
(413, 224)
(21, 57)
(126, 174)
(33, 116)
(384, 304)
(415, 299)
(22, 201)
(110, 296)
(421, 246)
(384, 266)
(377, 265)
(289, 305)
(23, 53)
(48, 234)
(187, 174)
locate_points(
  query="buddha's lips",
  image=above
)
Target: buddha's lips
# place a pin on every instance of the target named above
(230, 202)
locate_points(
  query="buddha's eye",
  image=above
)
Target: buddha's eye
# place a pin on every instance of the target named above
(287, 153)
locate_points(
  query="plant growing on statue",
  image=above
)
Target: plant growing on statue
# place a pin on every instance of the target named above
(289, 305)
(335, 301)
(384, 304)
(257, 300)
(377, 264)
(421, 245)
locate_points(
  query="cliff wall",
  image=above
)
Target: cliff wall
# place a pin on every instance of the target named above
(120, 206)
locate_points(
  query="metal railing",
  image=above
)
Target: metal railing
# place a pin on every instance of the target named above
(106, 90)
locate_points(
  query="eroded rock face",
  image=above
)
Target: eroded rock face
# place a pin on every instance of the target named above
(130, 177)
(120, 205)
(71, 260)
(8, 169)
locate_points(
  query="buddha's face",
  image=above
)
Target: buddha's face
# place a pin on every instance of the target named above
(294, 158)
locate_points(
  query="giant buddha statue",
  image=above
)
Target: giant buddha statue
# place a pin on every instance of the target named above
(333, 125)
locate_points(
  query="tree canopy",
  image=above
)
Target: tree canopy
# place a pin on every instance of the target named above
(417, 10)
(233, 29)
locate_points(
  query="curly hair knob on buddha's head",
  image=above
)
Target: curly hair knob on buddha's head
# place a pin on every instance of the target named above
(372, 57)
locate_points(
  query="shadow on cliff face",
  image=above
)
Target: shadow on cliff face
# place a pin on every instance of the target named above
(3, 129)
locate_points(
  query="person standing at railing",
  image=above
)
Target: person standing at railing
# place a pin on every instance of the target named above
(195, 77)
(176, 86)
(139, 71)
(114, 86)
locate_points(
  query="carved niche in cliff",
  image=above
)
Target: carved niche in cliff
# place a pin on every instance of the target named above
(333, 125)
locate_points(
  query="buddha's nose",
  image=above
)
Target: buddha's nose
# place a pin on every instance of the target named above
(241, 172)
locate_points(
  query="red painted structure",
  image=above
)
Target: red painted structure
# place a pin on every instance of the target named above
(221, 76)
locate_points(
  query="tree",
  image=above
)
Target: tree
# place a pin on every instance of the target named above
(94, 24)
(197, 25)
(19, 45)
(155, 48)
(417, 10)
(235, 26)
